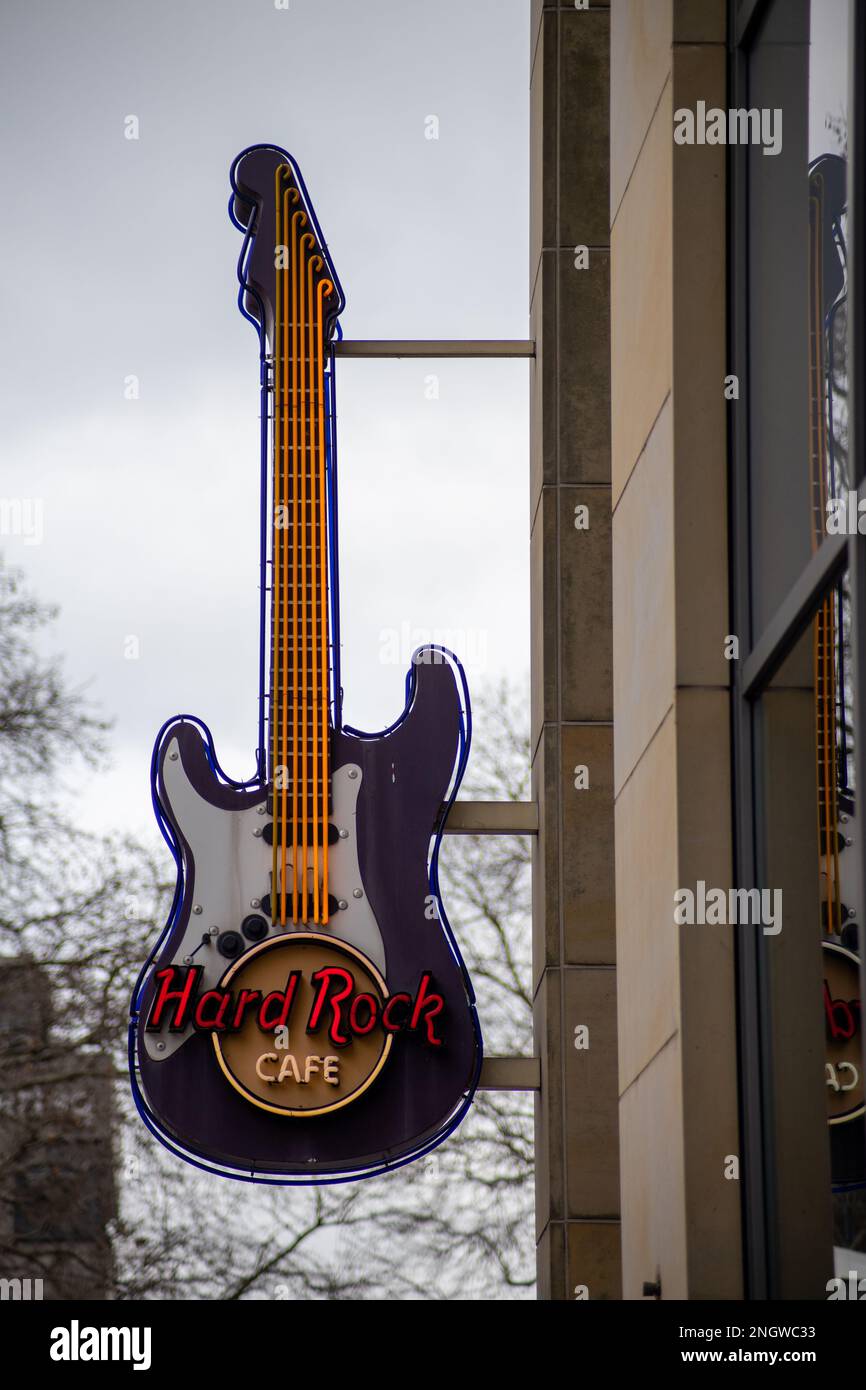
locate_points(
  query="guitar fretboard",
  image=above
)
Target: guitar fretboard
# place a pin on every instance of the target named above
(825, 625)
(300, 653)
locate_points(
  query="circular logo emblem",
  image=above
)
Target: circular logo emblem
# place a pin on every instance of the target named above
(311, 1041)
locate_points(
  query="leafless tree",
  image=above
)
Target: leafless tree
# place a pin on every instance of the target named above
(90, 1200)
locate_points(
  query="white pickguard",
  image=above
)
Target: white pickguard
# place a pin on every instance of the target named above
(233, 870)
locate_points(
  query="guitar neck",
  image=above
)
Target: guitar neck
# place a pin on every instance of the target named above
(822, 482)
(299, 762)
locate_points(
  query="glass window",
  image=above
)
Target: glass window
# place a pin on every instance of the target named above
(796, 380)
(798, 817)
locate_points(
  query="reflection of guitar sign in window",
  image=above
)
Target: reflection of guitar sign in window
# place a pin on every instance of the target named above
(302, 1015)
(840, 891)
(844, 1032)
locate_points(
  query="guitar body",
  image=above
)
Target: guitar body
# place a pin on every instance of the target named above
(404, 777)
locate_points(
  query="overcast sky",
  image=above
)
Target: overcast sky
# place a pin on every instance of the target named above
(828, 74)
(119, 259)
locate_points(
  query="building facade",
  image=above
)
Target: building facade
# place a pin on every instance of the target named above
(697, 618)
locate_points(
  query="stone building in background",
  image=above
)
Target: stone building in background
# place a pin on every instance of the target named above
(57, 1186)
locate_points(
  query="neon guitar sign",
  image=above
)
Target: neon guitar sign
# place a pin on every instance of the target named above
(305, 1015)
(841, 892)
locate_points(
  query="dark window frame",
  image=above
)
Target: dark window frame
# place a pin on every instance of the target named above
(762, 654)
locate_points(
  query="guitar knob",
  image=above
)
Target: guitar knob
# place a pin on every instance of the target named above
(230, 944)
(850, 937)
(829, 913)
(254, 927)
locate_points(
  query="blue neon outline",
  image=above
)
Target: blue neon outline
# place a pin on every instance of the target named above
(259, 778)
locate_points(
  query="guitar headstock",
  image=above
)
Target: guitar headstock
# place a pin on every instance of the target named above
(256, 176)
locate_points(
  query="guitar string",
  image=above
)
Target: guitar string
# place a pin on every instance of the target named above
(290, 446)
(288, 585)
(325, 288)
(831, 810)
(299, 220)
(824, 627)
(280, 546)
(276, 575)
(814, 390)
(314, 264)
(825, 615)
(281, 369)
(306, 239)
(817, 528)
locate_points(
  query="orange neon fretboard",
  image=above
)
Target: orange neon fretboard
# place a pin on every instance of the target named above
(300, 665)
(824, 628)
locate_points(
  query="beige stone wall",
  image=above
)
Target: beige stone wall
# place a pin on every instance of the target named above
(574, 978)
(671, 770)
